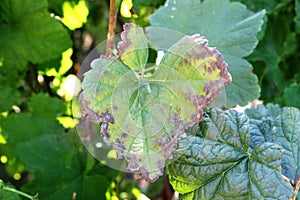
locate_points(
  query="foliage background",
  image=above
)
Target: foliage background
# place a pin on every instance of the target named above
(42, 44)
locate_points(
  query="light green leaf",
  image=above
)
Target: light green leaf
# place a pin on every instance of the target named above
(218, 163)
(133, 50)
(67, 173)
(228, 26)
(144, 111)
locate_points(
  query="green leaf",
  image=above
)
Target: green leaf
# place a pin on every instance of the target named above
(29, 34)
(283, 130)
(7, 195)
(144, 111)
(270, 111)
(273, 50)
(297, 18)
(270, 6)
(66, 173)
(45, 107)
(218, 163)
(291, 95)
(9, 97)
(19, 127)
(228, 26)
(287, 134)
(133, 50)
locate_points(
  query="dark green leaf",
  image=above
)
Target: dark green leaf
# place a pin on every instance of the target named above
(291, 95)
(67, 173)
(19, 127)
(28, 33)
(270, 6)
(228, 26)
(7, 195)
(218, 164)
(273, 50)
(46, 107)
(297, 18)
(9, 97)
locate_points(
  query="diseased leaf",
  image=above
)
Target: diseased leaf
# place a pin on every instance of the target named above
(133, 50)
(218, 163)
(144, 112)
(228, 26)
(67, 169)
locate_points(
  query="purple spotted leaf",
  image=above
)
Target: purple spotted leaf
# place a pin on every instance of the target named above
(143, 113)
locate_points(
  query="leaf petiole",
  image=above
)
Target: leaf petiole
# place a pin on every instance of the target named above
(3, 187)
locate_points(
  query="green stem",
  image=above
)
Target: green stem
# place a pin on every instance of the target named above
(3, 187)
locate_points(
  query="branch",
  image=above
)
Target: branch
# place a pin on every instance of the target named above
(296, 188)
(111, 27)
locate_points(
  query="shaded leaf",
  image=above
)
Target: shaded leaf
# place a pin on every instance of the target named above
(297, 18)
(273, 50)
(269, 6)
(29, 34)
(218, 163)
(228, 26)
(291, 95)
(19, 127)
(144, 113)
(45, 107)
(67, 171)
(7, 195)
(9, 97)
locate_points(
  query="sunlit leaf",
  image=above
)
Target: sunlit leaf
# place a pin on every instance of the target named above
(74, 15)
(228, 26)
